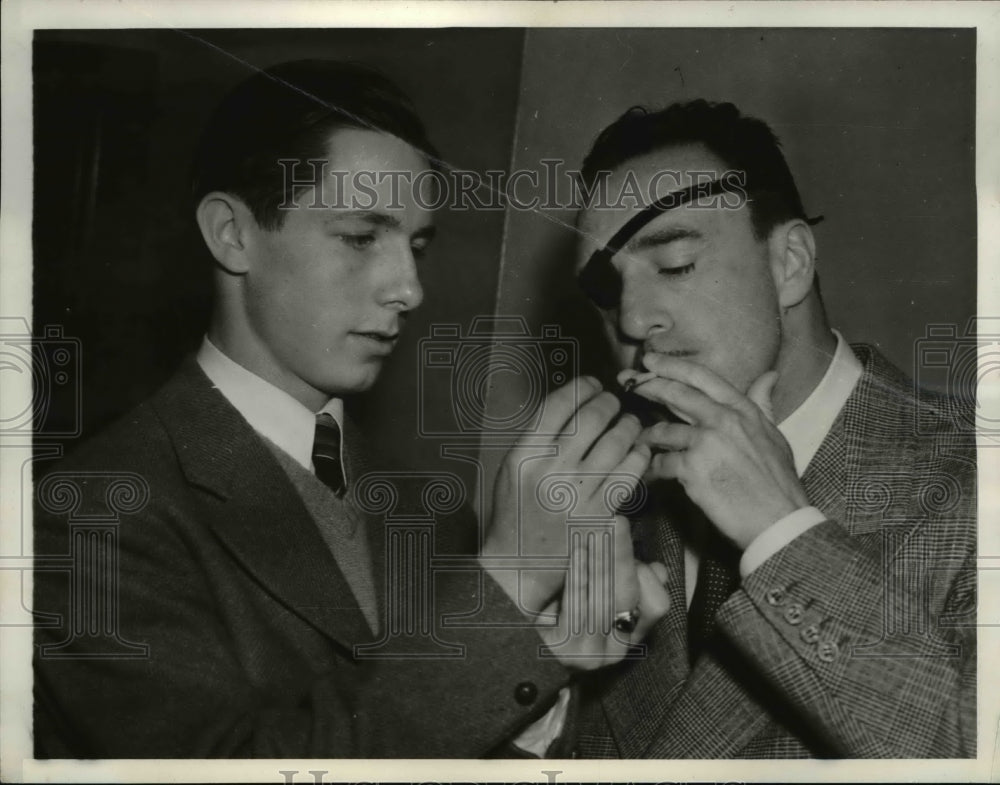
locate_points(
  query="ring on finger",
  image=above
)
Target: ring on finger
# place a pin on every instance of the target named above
(626, 621)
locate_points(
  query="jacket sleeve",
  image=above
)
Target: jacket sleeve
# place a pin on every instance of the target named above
(180, 686)
(871, 639)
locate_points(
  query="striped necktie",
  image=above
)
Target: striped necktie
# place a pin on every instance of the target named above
(326, 454)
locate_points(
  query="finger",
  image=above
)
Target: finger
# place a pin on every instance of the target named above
(561, 405)
(633, 381)
(626, 585)
(668, 436)
(630, 378)
(575, 595)
(595, 583)
(654, 600)
(550, 616)
(653, 597)
(594, 644)
(586, 426)
(659, 570)
(611, 448)
(628, 474)
(666, 466)
(760, 392)
(695, 375)
(687, 402)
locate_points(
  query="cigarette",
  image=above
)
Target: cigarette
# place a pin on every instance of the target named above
(635, 381)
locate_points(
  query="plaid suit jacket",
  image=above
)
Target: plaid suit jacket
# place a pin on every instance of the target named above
(855, 640)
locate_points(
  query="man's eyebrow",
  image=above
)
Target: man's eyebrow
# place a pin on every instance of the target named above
(728, 182)
(662, 237)
(375, 218)
(386, 220)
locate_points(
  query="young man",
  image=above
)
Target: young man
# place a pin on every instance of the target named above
(246, 574)
(822, 570)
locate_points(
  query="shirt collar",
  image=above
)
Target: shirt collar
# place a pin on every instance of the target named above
(271, 412)
(807, 426)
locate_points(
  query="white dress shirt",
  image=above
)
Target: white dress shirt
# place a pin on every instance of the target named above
(271, 412)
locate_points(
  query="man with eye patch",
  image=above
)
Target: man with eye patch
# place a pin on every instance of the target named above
(252, 604)
(820, 549)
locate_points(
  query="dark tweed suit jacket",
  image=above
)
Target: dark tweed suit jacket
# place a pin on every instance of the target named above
(249, 622)
(855, 640)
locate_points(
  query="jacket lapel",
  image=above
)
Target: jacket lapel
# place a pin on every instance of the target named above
(642, 692)
(253, 508)
(848, 479)
(712, 716)
(706, 712)
(825, 479)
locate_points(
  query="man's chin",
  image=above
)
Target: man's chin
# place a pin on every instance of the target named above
(359, 380)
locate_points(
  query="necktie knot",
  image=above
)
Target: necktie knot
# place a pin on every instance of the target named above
(326, 454)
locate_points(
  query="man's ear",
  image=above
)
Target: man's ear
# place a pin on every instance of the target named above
(793, 261)
(224, 221)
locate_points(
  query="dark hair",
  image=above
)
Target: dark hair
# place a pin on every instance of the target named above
(742, 143)
(288, 112)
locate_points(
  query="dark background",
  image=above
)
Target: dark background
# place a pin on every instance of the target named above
(119, 262)
(878, 126)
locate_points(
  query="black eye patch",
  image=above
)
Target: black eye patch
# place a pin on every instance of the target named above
(599, 279)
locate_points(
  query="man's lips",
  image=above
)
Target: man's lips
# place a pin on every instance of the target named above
(378, 335)
(637, 362)
(379, 340)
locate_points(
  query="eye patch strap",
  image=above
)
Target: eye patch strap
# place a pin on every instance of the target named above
(599, 280)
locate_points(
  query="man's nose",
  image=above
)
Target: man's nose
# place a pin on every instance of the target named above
(402, 290)
(643, 310)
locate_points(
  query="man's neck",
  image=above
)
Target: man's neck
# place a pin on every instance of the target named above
(258, 361)
(802, 363)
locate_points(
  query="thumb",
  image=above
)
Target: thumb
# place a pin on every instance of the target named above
(760, 392)
(659, 570)
(654, 601)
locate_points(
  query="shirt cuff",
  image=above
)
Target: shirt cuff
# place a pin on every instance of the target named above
(777, 536)
(538, 736)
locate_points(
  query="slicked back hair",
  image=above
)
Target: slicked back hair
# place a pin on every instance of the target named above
(742, 143)
(288, 112)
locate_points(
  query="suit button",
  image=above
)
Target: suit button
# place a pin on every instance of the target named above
(775, 597)
(575, 754)
(525, 693)
(794, 614)
(810, 634)
(827, 651)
